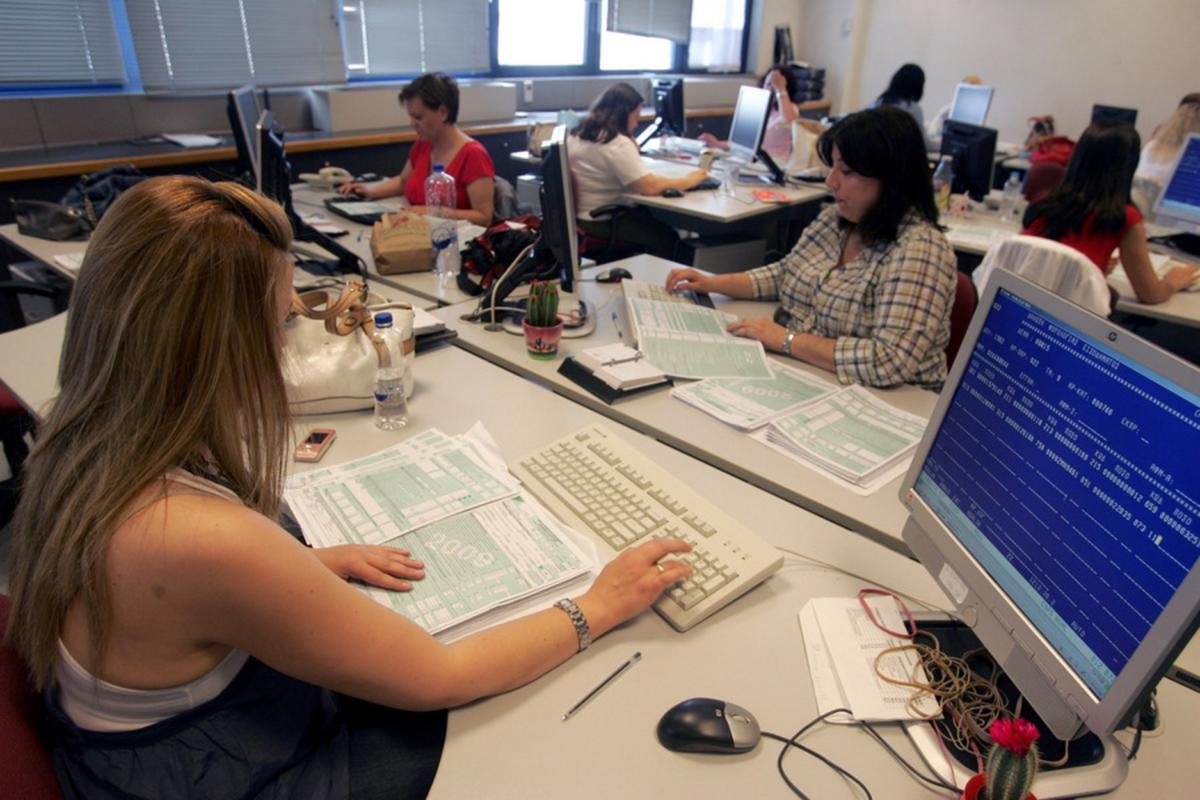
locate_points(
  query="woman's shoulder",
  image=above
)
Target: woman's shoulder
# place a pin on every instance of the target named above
(918, 233)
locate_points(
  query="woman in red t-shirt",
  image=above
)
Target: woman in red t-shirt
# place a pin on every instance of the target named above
(1091, 211)
(432, 104)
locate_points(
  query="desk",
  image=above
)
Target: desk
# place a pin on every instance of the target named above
(880, 516)
(29, 359)
(751, 653)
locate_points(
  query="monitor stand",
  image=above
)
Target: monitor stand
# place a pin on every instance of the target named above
(1097, 764)
(579, 318)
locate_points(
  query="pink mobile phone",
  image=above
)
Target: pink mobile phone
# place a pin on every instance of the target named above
(315, 444)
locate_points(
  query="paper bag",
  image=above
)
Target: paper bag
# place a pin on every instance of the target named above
(401, 243)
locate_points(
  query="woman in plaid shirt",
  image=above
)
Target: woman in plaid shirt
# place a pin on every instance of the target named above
(867, 290)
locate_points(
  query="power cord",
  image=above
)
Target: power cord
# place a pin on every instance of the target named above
(787, 743)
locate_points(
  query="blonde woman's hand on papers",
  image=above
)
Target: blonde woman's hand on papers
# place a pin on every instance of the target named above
(377, 565)
(631, 582)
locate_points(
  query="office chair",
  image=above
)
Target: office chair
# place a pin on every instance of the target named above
(28, 771)
(1043, 178)
(965, 300)
(504, 199)
(1053, 266)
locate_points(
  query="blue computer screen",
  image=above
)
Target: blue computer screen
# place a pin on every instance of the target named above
(1069, 473)
(1182, 195)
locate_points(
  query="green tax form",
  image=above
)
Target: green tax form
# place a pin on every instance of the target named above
(749, 403)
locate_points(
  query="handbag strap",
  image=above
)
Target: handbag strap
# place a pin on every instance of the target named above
(343, 315)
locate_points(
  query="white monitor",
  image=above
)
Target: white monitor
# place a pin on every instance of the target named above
(971, 103)
(1178, 204)
(1055, 497)
(749, 120)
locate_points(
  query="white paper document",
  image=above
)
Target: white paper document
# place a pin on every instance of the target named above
(690, 341)
(70, 261)
(842, 644)
(192, 139)
(850, 433)
(749, 403)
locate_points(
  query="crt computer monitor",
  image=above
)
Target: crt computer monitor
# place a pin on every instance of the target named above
(971, 103)
(1114, 115)
(669, 116)
(241, 106)
(746, 129)
(973, 149)
(1178, 204)
(1055, 497)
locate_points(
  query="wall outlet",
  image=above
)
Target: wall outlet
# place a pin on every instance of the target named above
(527, 90)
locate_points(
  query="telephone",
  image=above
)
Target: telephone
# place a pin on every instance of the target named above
(327, 177)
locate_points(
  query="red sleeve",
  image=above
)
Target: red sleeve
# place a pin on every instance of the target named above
(1132, 217)
(418, 158)
(471, 164)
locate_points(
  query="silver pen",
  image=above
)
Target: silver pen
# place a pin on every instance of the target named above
(618, 672)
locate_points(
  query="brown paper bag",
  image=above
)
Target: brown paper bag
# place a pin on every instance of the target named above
(402, 246)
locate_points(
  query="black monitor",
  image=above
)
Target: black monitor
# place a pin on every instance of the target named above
(273, 179)
(669, 117)
(746, 129)
(1114, 115)
(973, 150)
(241, 106)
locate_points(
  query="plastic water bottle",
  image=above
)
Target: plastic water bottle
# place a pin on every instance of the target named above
(943, 181)
(440, 198)
(391, 407)
(1010, 207)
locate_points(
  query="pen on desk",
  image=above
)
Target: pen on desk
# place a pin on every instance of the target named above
(618, 326)
(360, 233)
(618, 672)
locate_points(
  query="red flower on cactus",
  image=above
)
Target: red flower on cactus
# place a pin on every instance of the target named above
(1016, 735)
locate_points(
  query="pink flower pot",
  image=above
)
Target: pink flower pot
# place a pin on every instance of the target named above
(542, 343)
(977, 784)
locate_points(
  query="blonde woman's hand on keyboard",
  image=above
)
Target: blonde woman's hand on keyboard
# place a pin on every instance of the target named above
(632, 581)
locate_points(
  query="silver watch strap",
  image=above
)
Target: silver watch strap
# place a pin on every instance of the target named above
(582, 631)
(787, 341)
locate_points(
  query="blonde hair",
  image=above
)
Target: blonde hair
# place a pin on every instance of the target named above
(170, 360)
(1167, 140)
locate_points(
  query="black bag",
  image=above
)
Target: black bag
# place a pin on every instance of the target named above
(489, 254)
(49, 220)
(94, 193)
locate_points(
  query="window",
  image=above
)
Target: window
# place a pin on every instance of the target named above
(536, 33)
(59, 42)
(718, 30)
(627, 52)
(217, 44)
(409, 37)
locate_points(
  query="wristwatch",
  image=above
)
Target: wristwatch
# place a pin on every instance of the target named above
(582, 631)
(787, 341)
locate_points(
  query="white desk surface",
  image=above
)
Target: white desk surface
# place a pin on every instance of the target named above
(976, 232)
(42, 250)
(880, 515)
(751, 653)
(29, 359)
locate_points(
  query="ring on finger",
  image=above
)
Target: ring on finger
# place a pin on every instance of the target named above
(661, 571)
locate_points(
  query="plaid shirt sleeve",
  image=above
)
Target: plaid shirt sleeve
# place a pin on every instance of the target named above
(904, 331)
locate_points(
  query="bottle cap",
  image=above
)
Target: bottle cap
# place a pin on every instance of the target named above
(439, 168)
(383, 319)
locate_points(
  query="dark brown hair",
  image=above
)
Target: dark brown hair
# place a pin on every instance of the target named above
(435, 90)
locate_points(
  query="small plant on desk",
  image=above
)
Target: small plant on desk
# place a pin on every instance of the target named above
(543, 328)
(1011, 763)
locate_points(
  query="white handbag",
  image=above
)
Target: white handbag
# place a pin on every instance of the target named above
(329, 358)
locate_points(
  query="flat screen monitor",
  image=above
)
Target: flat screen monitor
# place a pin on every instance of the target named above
(749, 121)
(1055, 497)
(558, 210)
(1114, 115)
(669, 117)
(973, 149)
(971, 103)
(241, 107)
(1178, 204)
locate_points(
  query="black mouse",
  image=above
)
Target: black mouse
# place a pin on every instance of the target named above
(705, 725)
(672, 193)
(614, 275)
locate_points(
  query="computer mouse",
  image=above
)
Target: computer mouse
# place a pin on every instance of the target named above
(705, 725)
(672, 193)
(614, 275)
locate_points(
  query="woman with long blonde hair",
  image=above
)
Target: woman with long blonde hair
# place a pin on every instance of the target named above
(1159, 154)
(186, 645)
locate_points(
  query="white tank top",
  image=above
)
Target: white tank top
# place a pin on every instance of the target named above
(97, 705)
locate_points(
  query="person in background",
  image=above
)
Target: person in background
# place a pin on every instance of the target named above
(867, 290)
(904, 91)
(934, 129)
(777, 136)
(1159, 154)
(187, 645)
(606, 165)
(432, 104)
(1091, 211)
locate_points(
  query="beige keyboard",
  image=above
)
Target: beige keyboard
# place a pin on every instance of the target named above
(599, 484)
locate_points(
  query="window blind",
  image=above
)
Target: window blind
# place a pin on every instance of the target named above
(217, 44)
(409, 37)
(667, 19)
(59, 41)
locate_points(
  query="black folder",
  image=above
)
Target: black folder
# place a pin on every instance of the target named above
(583, 377)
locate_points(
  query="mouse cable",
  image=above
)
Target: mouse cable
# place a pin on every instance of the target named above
(934, 781)
(869, 581)
(787, 743)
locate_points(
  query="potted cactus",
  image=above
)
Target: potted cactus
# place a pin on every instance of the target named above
(1011, 763)
(543, 327)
